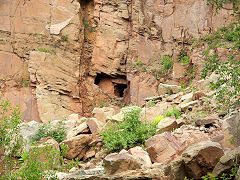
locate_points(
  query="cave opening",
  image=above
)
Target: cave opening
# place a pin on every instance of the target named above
(113, 85)
(119, 90)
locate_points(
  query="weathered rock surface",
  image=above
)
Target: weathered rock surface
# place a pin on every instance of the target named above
(77, 146)
(201, 158)
(103, 114)
(163, 148)
(98, 173)
(142, 155)
(189, 135)
(168, 89)
(227, 162)
(68, 52)
(167, 124)
(118, 163)
(196, 161)
(27, 130)
(77, 130)
(188, 106)
(230, 129)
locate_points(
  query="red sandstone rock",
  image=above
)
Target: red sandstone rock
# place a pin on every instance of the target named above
(117, 163)
(138, 152)
(163, 148)
(77, 145)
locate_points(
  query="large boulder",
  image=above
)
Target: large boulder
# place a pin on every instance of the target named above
(230, 127)
(77, 146)
(163, 148)
(142, 155)
(201, 158)
(196, 161)
(117, 163)
(94, 125)
(227, 162)
(188, 135)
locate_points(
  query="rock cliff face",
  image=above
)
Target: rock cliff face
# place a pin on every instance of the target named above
(59, 57)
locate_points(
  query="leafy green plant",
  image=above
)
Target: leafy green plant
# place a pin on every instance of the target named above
(157, 120)
(10, 119)
(24, 83)
(191, 72)
(45, 50)
(152, 102)
(220, 3)
(224, 176)
(139, 64)
(174, 112)
(184, 58)
(39, 162)
(144, 69)
(87, 26)
(167, 63)
(57, 132)
(227, 69)
(129, 132)
(103, 104)
(65, 37)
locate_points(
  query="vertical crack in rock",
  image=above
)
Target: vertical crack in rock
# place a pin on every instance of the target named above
(87, 37)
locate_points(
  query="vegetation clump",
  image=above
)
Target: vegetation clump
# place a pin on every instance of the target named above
(167, 63)
(174, 112)
(184, 58)
(128, 133)
(220, 3)
(45, 50)
(226, 66)
(57, 132)
(10, 119)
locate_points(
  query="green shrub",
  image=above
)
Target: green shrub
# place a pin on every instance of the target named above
(144, 69)
(191, 72)
(10, 119)
(57, 132)
(185, 60)
(219, 5)
(227, 84)
(174, 112)
(103, 104)
(167, 63)
(129, 132)
(139, 63)
(157, 120)
(40, 162)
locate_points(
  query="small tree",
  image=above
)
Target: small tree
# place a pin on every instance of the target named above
(10, 117)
